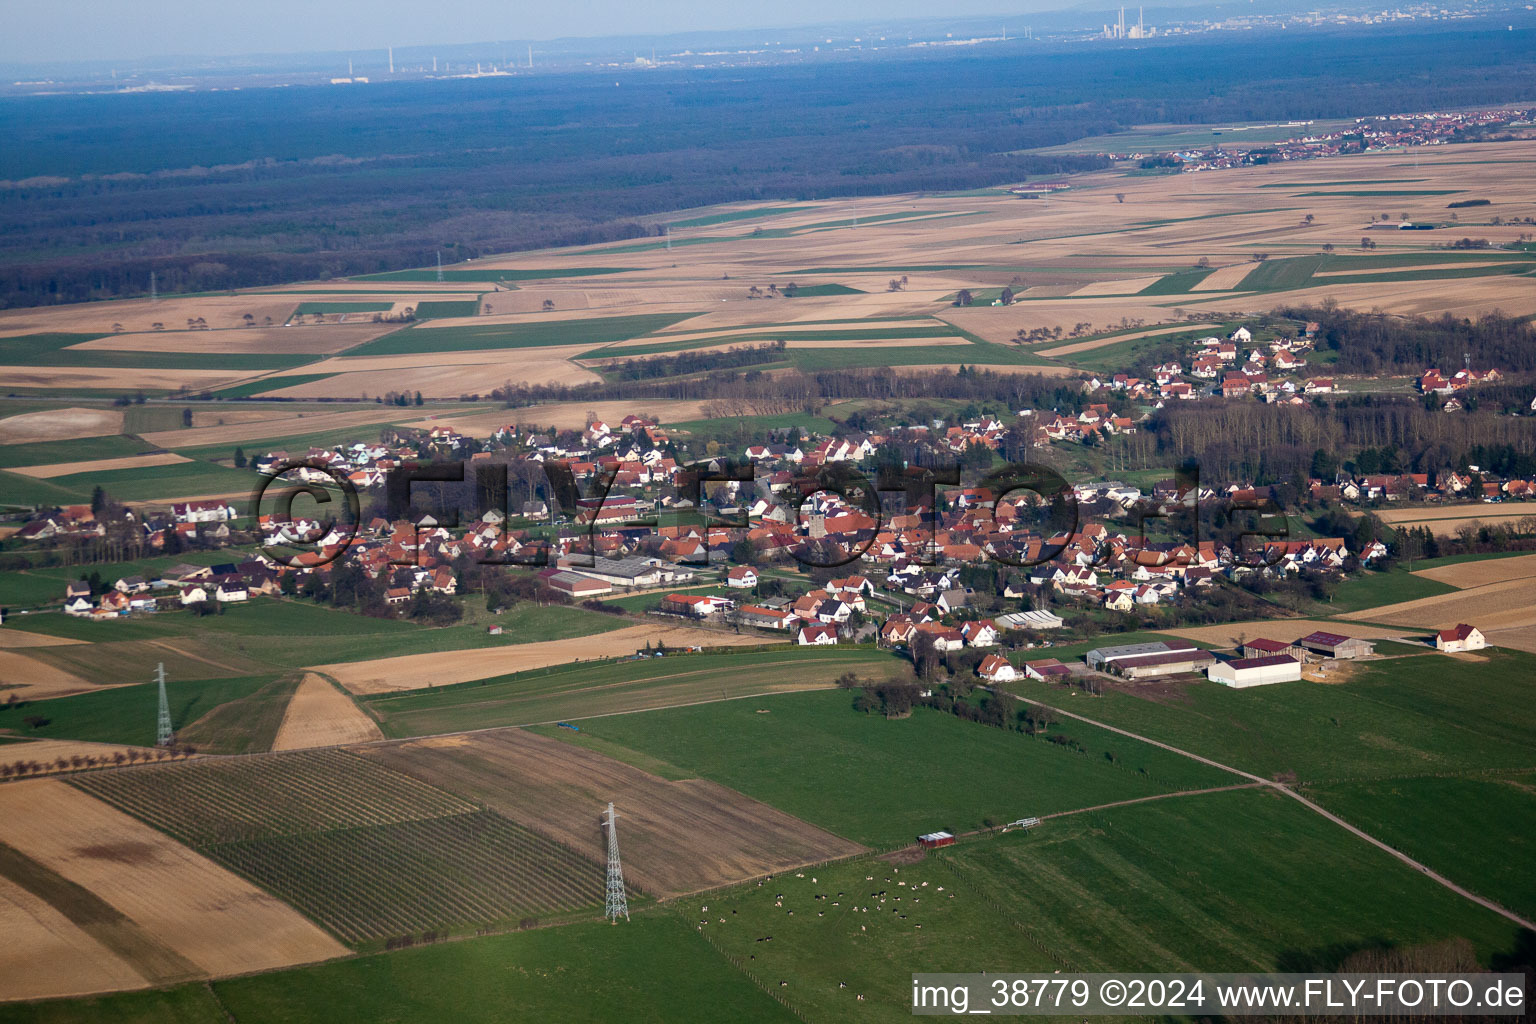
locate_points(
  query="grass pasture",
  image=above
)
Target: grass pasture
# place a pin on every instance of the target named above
(1477, 830)
(617, 687)
(1414, 715)
(1234, 881)
(881, 782)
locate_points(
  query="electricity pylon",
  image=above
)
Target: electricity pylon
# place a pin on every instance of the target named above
(618, 902)
(163, 734)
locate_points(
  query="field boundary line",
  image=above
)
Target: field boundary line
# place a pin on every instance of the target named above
(1315, 808)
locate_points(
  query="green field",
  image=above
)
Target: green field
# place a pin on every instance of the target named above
(1478, 831)
(291, 633)
(1220, 882)
(158, 483)
(652, 969)
(126, 714)
(1422, 714)
(881, 782)
(816, 290)
(447, 307)
(311, 308)
(596, 331)
(1372, 589)
(261, 387)
(82, 449)
(1278, 275)
(1243, 880)
(616, 687)
(1177, 283)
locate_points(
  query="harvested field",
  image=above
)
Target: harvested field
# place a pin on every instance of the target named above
(46, 955)
(13, 639)
(435, 377)
(72, 378)
(1507, 605)
(1128, 286)
(59, 425)
(1518, 638)
(32, 679)
(141, 314)
(172, 899)
(1422, 513)
(319, 715)
(317, 339)
(563, 415)
(418, 671)
(1481, 573)
(99, 465)
(1225, 279)
(48, 752)
(1444, 522)
(677, 836)
(1281, 629)
(277, 425)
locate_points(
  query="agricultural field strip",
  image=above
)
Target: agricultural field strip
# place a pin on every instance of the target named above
(344, 839)
(1288, 791)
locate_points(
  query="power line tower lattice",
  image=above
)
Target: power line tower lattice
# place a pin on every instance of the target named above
(618, 902)
(163, 734)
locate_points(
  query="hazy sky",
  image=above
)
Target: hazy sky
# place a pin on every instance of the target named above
(121, 29)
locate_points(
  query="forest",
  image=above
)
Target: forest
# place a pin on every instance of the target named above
(221, 189)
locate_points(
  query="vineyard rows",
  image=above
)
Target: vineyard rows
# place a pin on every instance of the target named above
(388, 880)
(241, 799)
(367, 851)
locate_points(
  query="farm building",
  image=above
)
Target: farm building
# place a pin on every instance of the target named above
(696, 606)
(1030, 620)
(995, 668)
(1161, 663)
(934, 840)
(1262, 648)
(1332, 645)
(1462, 638)
(1245, 672)
(575, 584)
(765, 618)
(1101, 657)
(1046, 670)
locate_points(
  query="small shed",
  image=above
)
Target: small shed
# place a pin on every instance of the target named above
(934, 840)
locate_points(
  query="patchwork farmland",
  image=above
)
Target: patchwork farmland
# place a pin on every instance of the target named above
(368, 852)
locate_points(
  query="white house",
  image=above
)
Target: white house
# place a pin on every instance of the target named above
(816, 635)
(1462, 638)
(741, 576)
(193, 595)
(995, 668)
